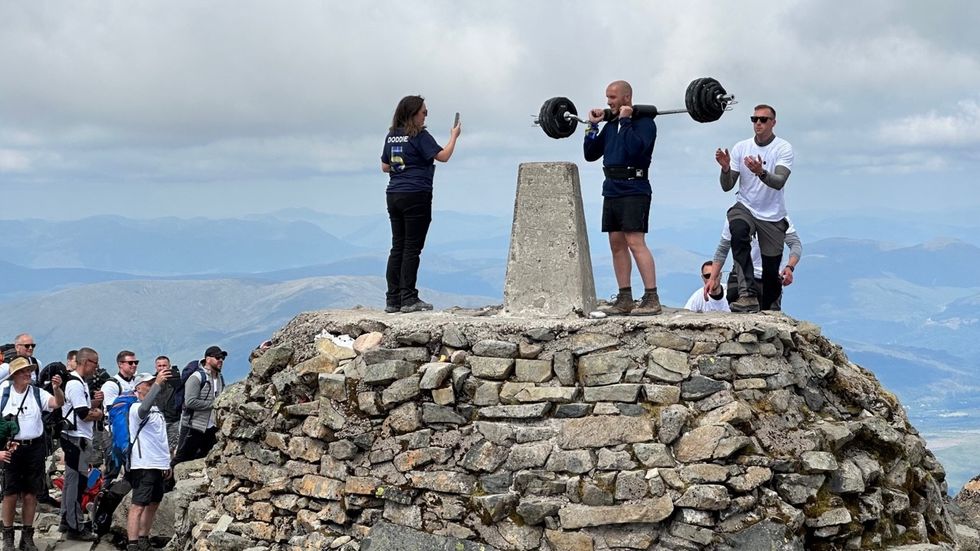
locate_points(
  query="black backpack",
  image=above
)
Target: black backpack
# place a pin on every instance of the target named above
(52, 419)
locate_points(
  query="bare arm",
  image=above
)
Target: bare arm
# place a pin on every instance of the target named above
(447, 152)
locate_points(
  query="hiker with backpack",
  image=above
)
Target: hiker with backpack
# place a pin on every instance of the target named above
(23, 457)
(148, 458)
(80, 413)
(203, 383)
(167, 400)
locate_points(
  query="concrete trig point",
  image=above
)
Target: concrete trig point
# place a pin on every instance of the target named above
(549, 268)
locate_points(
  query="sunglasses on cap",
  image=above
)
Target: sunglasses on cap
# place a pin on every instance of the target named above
(763, 120)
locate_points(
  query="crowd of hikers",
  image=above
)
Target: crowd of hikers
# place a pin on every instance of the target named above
(119, 431)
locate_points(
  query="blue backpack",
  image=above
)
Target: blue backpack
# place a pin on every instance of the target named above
(120, 449)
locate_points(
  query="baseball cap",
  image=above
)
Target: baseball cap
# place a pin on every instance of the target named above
(215, 352)
(141, 378)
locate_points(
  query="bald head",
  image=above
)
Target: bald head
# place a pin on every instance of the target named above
(622, 87)
(618, 94)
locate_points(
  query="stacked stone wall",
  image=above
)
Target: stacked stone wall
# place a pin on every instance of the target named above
(449, 431)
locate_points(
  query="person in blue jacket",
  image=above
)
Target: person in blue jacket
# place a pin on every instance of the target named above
(625, 145)
(408, 155)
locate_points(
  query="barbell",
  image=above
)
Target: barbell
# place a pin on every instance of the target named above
(705, 100)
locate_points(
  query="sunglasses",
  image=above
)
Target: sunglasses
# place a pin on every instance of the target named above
(130, 362)
(763, 120)
(706, 276)
(32, 345)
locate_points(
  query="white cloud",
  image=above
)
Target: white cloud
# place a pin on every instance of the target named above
(13, 161)
(932, 129)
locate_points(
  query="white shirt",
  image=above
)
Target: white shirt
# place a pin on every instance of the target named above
(726, 234)
(764, 202)
(697, 303)
(111, 391)
(76, 396)
(24, 406)
(150, 449)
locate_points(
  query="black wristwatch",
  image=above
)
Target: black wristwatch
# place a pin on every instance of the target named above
(792, 269)
(763, 175)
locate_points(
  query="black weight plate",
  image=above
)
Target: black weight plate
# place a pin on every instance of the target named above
(551, 118)
(712, 107)
(690, 99)
(707, 99)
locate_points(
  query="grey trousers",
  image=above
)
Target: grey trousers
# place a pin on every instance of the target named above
(77, 453)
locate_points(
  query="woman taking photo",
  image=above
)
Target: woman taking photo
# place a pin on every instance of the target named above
(408, 156)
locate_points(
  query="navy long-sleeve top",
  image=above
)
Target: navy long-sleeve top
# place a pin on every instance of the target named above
(623, 143)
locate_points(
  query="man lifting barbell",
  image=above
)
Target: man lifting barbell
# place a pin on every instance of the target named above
(625, 145)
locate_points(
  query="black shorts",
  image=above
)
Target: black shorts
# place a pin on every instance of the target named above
(626, 214)
(25, 472)
(147, 486)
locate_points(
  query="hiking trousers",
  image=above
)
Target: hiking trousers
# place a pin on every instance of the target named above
(77, 454)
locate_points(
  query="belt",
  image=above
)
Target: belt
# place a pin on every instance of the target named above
(28, 441)
(625, 172)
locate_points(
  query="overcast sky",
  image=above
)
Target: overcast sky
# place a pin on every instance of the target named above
(222, 108)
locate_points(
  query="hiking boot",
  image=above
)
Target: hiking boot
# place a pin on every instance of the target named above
(8, 539)
(144, 544)
(27, 539)
(745, 304)
(132, 547)
(622, 306)
(649, 305)
(417, 306)
(393, 308)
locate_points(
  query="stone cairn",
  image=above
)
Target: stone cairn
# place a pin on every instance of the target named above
(458, 432)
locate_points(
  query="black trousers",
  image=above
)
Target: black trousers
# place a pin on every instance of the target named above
(410, 215)
(195, 444)
(771, 299)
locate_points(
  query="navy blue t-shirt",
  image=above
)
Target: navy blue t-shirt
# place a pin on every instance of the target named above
(411, 161)
(625, 143)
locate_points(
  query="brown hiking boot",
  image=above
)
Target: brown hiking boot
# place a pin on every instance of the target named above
(745, 305)
(649, 305)
(622, 306)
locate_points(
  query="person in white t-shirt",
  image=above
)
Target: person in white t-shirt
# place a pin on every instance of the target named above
(766, 302)
(80, 413)
(761, 166)
(149, 458)
(23, 474)
(714, 300)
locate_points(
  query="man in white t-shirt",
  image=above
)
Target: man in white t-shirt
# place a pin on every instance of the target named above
(80, 413)
(23, 474)
(767, 301)
(761, 166)
(149, 458)
(123, 381)
(713, 300)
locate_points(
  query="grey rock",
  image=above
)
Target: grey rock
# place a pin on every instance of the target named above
(525, 411)
(758, 366)
(719, 367)
(752, 478)
(595, 495)
(542, 334)
(498, 433)
(404, 418)
(612, 393)
(490, 368)
(818, 462)
(581, 516)
(664, 364)
(400, 391)
(603, 369)
(670, 340)
(704, 473)
(673, 420)
(848, 479)
(564, 366)
(766, 535)
(487, 394)
(689, 532)
(705, 497)
(272, 361)
(444, 396)
(498, 482)
(528, 456)
(534, 371)
(735, 413)
(385, 536)
(484, 456)
(698, 387)
(404, 515)
(341, 449)
(495, 507)
(387, 371)
(448, 482)
(599, 432)
(413, 355)
(332, 386)
(630, 410)
(797, 488)
(609, 460)
(654, 455)
(432, 413)
(631, 485)
(435, 374)
(584, 343)
(571, 411)
(534, 510)
(555, 394)
(662, 394)
(453, 336)
(495, 349)
(571, 461)
(707, 443)
(832, 517)
(524, 434)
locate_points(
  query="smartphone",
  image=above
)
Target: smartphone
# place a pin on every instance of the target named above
(456, 122)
